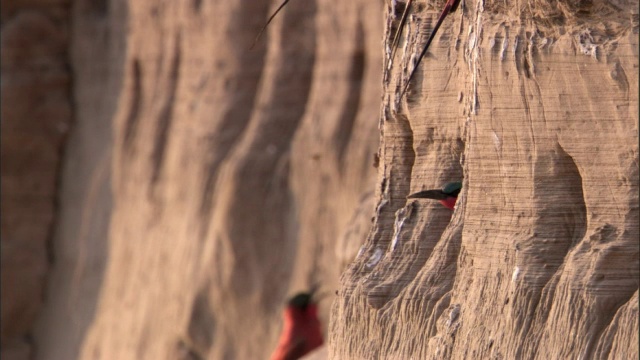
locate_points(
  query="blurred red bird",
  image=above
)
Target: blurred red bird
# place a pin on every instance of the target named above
(302, 332)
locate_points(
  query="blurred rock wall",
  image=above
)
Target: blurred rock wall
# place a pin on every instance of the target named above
(36, 116)
(205, 182)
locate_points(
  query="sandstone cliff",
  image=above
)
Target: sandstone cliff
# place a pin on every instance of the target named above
(203, 182)
(535, 105)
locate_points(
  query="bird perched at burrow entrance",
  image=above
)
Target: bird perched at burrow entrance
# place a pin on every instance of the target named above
(302, 331)
(447, 195)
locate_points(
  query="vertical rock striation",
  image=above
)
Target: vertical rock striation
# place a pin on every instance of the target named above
(204, 181)
(536, 106)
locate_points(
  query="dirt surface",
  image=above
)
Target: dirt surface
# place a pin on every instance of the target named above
(204, 182)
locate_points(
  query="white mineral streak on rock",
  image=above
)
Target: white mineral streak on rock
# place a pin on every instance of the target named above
(496, 141)
(401, 215)
(505, 45)
(381, 205)
(516, 274)
(374, 259)
(531, 62)
(475, 34)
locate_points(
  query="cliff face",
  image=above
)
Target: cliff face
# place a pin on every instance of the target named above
(203, 182)
(536, 107)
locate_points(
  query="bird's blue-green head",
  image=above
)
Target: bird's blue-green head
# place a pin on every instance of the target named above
(452, 188)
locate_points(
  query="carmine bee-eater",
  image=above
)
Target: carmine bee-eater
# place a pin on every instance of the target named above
(447, 195)
(302, 332)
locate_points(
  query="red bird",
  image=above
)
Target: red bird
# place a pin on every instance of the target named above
(447, 196)
(302, 332)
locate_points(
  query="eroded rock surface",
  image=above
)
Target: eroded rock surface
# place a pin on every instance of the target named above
(536, 107)
(204, 182)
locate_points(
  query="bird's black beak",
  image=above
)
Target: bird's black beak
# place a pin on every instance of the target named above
(429, 194)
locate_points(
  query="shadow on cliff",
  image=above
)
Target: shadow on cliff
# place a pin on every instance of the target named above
(79, 245)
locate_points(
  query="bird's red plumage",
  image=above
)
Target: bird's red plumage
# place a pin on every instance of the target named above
(300, 335)
(449, 202)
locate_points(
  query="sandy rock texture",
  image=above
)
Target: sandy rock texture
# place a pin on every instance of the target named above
(36, 115)
(205, 182)
(534, 106)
